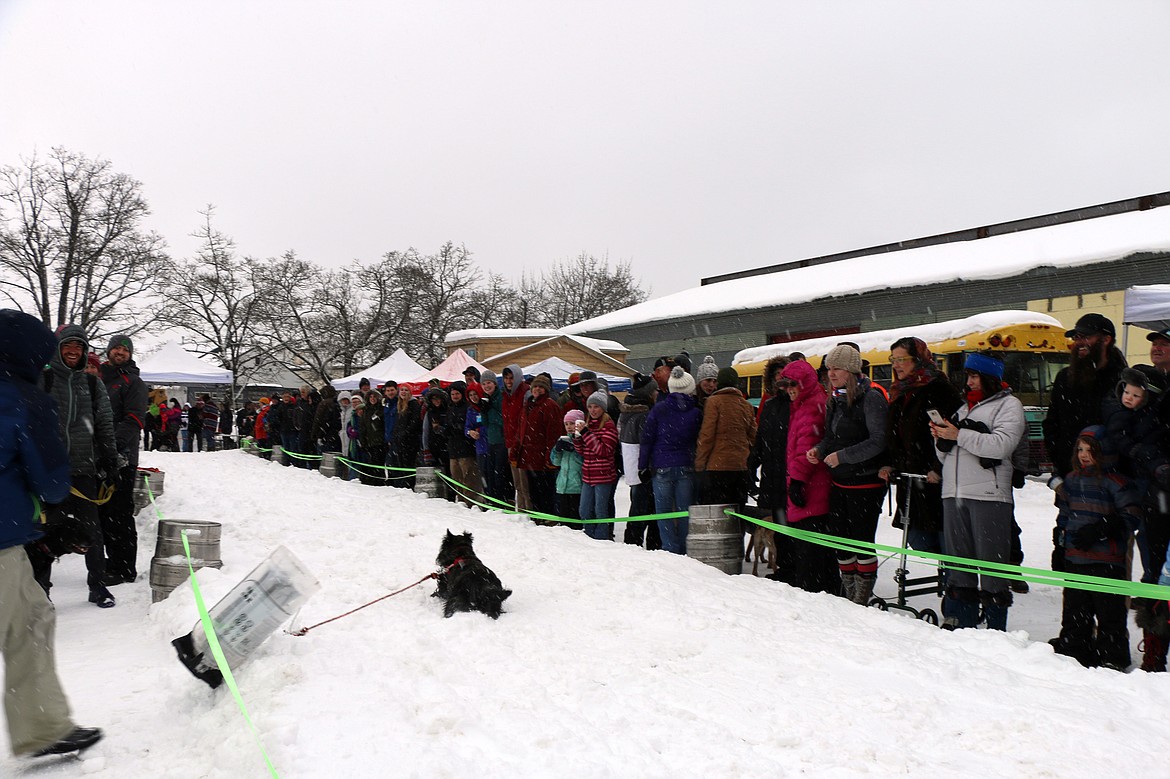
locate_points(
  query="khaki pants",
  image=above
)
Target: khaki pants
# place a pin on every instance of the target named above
(35, 705)
(465, 471)
(520, 481)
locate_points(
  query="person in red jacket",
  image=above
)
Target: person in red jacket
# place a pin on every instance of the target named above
(596, 440)
(814, 566)
(515, 389)
(540, 426)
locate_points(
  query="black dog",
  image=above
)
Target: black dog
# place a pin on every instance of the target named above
(466, 583)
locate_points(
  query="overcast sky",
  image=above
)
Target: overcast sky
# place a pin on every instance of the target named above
(688, 138)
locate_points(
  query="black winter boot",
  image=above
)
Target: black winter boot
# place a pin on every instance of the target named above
(77, 740)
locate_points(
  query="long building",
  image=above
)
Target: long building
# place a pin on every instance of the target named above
(1064, 264)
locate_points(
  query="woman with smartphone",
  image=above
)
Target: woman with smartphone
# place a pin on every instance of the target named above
(976, 452)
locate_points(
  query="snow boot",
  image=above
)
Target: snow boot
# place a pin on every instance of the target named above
(863, 588)
(995, 608)
(1154, 655)
(102, 598)
(77, 740)
(962, 607)
(848, 585)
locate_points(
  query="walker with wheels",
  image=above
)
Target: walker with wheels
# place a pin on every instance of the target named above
(910, 587)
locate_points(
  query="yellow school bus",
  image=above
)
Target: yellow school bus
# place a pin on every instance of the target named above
(1032, 345)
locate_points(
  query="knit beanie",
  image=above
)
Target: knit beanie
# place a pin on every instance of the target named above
(93, 360)
(574, 415)
(728, 377)
(343, 395)
(475, 387)
(598, 398)
(487, 376)
(680, 381)
(843, 357)
(981, 363)
(707, 369)
(541, 381)
(121, 340)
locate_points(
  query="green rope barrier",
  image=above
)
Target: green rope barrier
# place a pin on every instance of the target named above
(302, 456)
(985, 567)
(348, 461)
(213, 640)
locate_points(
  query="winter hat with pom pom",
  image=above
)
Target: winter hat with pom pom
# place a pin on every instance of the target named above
(680, 381)
(707, 370)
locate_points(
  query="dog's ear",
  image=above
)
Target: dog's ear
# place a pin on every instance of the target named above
(449, 535)
(467, 536)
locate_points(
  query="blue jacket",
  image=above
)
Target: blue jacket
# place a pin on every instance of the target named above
(33, 460)
(670, 432)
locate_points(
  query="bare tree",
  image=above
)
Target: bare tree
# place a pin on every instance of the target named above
(72, 243)
(585, 287)
(220, 301)
(444, 282)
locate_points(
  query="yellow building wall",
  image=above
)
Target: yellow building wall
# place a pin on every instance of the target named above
(1132, 340)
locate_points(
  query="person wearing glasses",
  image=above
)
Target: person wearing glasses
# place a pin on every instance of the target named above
(1082, 395)
(918, 386)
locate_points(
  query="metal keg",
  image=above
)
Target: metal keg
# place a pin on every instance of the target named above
(715, 538)
(168, 567)
(329, 465)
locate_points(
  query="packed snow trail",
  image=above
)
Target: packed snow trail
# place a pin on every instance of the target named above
(609, 661)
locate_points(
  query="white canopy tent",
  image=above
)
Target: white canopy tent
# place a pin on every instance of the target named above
(397, 367)
(1148, 306)
(560, 370)
(175, 366)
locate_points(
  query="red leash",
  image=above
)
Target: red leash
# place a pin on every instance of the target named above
(432, 575)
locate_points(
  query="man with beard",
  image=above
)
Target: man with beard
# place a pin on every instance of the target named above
(1082, 395)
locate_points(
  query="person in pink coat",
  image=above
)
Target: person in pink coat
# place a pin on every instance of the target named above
(814, 567)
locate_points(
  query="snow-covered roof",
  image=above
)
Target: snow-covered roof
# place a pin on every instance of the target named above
(1066, 245)
(172, 364)
(534, 333)
(881, 339)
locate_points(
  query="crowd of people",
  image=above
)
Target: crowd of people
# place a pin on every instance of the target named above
(820, 453)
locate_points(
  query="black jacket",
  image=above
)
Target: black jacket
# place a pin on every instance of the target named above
(128, 399)
(1075, 407)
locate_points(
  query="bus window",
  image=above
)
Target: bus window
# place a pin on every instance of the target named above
(755, 386)
(882, 374)
(1031, 374)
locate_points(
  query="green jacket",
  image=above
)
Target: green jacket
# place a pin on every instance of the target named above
(569, 462)
(493, 417)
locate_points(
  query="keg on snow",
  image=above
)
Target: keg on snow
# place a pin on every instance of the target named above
(168, 567)
(278, 455)
(715, 538)
(329, 464)
(427, 481)
(141, 495)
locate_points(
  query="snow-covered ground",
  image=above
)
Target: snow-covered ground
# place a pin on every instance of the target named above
(610, 661)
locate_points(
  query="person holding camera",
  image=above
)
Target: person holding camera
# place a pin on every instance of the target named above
(976, 453)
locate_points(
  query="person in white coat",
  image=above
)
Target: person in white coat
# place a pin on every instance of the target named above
(976, 453)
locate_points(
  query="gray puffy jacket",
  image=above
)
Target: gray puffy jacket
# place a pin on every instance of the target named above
(85, 422)
(963, 476)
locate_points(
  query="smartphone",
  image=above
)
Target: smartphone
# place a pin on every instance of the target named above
(935, 417)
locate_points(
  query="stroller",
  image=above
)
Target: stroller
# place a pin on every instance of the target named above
(924, 585)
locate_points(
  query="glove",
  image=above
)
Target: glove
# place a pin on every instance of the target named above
(351, 433)
(796, 493)
(1088, 536)
(1055, 482)
(645, 474)
(563, 445)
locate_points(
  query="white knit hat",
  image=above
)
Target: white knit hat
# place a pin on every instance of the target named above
(680, 381)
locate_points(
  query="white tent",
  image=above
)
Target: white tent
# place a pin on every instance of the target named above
(1148, 306)
(449, 370)
(560, 370)
(174, 365)
(397, 367)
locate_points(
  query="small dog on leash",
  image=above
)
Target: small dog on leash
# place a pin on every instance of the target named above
(466, 584)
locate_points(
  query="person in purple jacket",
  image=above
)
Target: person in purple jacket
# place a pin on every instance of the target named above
(667, 456)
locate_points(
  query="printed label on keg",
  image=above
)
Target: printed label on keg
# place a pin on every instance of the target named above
(248, 620)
